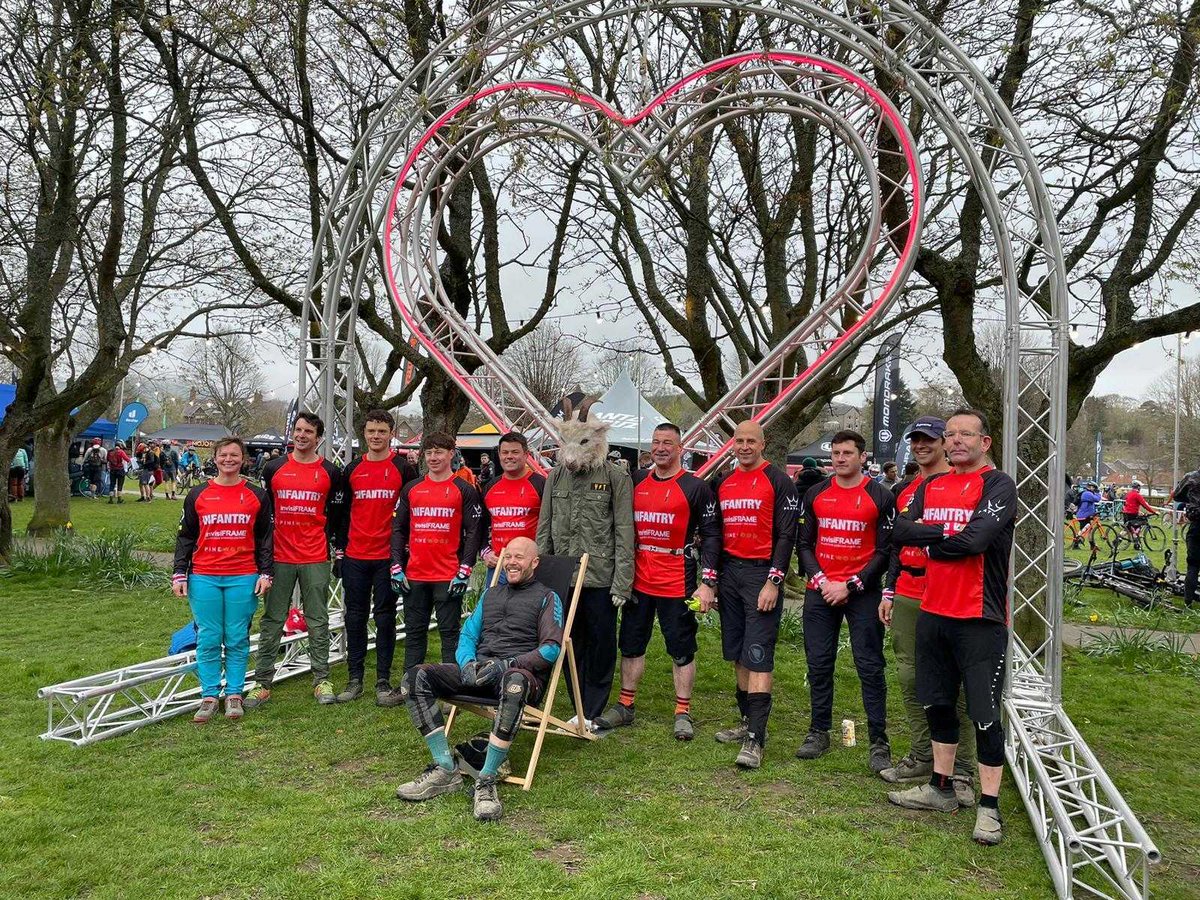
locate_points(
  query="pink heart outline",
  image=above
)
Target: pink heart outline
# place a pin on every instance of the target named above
(799, 379)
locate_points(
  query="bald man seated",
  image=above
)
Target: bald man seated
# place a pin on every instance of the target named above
(506, 651)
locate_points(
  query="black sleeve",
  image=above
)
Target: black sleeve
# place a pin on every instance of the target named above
(538, 480)
(715, 487)
(189, 532)
(708, 526)
(806, 532)
(269, 471)
(408, 472)
(783, 528)
(400, 528)
(485, 516)
(472, 514)
(342, 501)
(333, 502)
(872, 573)
(264, 534)
(906, 532)
(996, 511)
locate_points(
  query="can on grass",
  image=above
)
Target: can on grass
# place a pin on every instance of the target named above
(848, 733)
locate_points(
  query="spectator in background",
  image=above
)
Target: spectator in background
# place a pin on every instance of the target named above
(170, 468)
(458, 465)
(645, 460)
(118, 463)
(486, 471)
(808, 475)
(912, 469)
(147, 461)
(94, 463)
(17, 471)
(889, 479)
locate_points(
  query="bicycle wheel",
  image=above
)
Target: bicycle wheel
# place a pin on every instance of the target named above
(1154, 537)
(1106, 535)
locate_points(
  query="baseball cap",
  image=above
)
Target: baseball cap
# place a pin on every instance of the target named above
(95, 441)
(930, 426)
(808, 463)
(615, 454)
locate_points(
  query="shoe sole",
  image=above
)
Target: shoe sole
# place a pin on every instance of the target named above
(908, 804)
(907, 779)
(747, 763)
(684, 735)
(326, 701)
(988, 840)
(489, 817)
(812, 756)
(432, 792)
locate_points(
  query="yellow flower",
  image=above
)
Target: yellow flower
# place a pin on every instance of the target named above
(1094, 618)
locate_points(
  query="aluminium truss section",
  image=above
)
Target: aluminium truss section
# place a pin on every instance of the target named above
(93, 708)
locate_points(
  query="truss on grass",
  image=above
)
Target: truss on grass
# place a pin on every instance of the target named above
(90, 709)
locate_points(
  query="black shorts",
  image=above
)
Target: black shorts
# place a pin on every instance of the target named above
(678, 624)
(1136, 520)
(747, 635)
(961, 652)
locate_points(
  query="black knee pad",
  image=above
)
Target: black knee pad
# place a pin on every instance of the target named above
(989, 743)
(408, 684)
(943, 723)
(514, 688)
(682, 661)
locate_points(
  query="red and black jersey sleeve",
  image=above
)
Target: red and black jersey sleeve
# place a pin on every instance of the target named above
(401, 525)
(806, 531)
(871, 574)
(471, 535)
(705, 527)
(264, 546)
(783, 529)
(340, 498)
(906, 566)
(225, 530)
(189, 531)
(758, 510)
(511, 508)
(435, 528)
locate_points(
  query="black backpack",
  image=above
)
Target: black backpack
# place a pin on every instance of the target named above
(95, 457)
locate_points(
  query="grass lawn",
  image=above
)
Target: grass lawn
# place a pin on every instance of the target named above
(155, 522)
(296, 801)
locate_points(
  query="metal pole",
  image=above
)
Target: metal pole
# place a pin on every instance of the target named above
(1173, 569)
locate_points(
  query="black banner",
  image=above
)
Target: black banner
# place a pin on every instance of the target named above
(887, 378)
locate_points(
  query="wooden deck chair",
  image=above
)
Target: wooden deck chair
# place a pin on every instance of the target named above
(564, 576)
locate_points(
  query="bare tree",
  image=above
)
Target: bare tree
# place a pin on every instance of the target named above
(610, 361)
(98, 228)
(223, 371)
(547, 361)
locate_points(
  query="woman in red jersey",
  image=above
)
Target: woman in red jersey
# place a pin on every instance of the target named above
(224, 561)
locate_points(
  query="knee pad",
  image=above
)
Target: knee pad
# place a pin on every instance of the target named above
(514, 688)
(989, 743)
(682, 661)
(943, 723)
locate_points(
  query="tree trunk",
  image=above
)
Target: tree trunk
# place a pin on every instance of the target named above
(444, 406)
(6, 454)
(52, 509)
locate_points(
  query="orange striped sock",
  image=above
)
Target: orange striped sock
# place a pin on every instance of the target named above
(626, 698)
(683, 705)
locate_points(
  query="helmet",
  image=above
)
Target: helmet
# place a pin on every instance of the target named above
(1092, 484)
(1135, 483)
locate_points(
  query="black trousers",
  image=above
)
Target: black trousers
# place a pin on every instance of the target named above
(423, 600)
(1193, 563)
(822, 626)
(362, 579)
(594, 635)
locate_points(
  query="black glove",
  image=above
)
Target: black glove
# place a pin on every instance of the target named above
(468, 673)
(337, 568)
(491, 670)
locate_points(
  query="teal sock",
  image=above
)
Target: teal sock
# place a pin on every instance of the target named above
(440, 749)
(495, 759)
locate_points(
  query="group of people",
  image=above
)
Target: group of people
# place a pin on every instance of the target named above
(932, 563)
(154, 463)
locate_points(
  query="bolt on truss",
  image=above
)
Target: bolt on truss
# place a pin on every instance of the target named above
(458, 103)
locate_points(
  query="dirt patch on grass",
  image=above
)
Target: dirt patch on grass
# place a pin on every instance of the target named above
(527, 822)
(565, 855)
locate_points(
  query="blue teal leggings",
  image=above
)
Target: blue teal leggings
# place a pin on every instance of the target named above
(222, 606)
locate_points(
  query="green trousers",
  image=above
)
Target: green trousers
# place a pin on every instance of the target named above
(314, 602)
(904, 644)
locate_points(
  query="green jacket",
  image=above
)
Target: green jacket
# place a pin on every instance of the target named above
(591, 513)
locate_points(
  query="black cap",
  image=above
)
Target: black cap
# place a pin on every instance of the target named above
(808, 463)
(930, 426)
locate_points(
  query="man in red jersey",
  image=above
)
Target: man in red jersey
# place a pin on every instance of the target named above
(302, 488)
(903, 590)
(371, 485)
(511, 501)
(757, 505)
(965, 519)
(435, 541)
(670, 508)
(844, 547)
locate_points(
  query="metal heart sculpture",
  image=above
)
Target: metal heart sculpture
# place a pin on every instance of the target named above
(633, 149)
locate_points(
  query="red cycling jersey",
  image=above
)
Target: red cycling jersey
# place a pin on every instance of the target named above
(1134, 502)
(667, 515)
(846, 532)
(436, 528)
(301, 495)
(370, 490)
(758, 514)
(225, 530)
(905, 560)
(511, 507)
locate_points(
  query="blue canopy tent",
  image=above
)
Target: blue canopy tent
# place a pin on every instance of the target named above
(104, 429)
(8, 393)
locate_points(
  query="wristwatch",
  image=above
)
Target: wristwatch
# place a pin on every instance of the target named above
(775, 576)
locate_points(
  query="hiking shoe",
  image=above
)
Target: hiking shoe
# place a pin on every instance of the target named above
(734, 735)
(989, 829)
(683, 727)
(923, 796)
(881, 756)
(354, 690)
(751, 755)
(385, 696)
(323, 691)
(619, 715)
(257, 697)
(964, 791)
(816, 744)
(208, 709)
(433, 781)
(233, 706)
(908, 769)
(487, 806)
